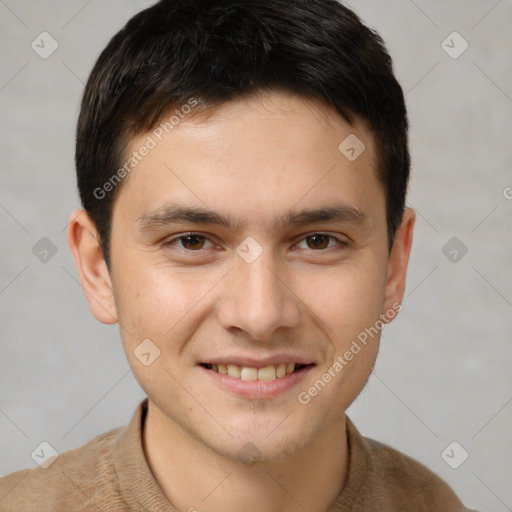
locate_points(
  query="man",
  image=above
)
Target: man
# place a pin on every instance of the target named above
(243, 168)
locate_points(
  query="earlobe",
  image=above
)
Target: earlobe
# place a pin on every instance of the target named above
(83, 241)
(398, 262)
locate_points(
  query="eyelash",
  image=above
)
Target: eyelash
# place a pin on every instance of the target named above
(342, 244)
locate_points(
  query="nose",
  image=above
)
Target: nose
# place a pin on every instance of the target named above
(258, 300)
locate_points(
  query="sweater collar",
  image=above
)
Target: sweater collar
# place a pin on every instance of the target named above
(138, 486)
(141, 491)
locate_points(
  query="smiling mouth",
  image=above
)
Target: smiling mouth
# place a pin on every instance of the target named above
(248, 373)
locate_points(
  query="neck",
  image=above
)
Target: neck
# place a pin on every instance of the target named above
(194, 477)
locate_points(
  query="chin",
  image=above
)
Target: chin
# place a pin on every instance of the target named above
(265, 442)
(260, 451)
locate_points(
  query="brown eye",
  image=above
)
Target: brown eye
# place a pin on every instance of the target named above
(318, 241)
(192, 242)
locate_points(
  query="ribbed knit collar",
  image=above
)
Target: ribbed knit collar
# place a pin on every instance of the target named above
(141, 491)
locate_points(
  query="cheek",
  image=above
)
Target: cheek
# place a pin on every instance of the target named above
(348, 303)
(158, 312)
(347, 298)
(160, 304)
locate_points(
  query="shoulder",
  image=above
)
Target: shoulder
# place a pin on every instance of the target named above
(382, 478)
(77, 480)
(408, 483)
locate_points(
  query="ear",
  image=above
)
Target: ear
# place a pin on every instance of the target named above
(83, 239)
(398, 261)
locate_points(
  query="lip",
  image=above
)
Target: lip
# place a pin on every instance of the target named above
(257, 389)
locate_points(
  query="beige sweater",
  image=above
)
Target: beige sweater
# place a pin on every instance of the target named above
(110, 474)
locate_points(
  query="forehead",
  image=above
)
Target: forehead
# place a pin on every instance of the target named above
(252, 155)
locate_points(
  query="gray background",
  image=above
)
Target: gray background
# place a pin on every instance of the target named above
(443, 373)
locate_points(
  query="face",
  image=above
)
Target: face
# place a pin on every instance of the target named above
(253, 254)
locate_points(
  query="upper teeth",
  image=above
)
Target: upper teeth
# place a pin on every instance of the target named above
(249, 373)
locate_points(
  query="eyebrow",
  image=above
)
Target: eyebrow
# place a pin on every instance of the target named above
(175, 213)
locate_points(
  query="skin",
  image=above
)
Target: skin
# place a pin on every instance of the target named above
(253, 160)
